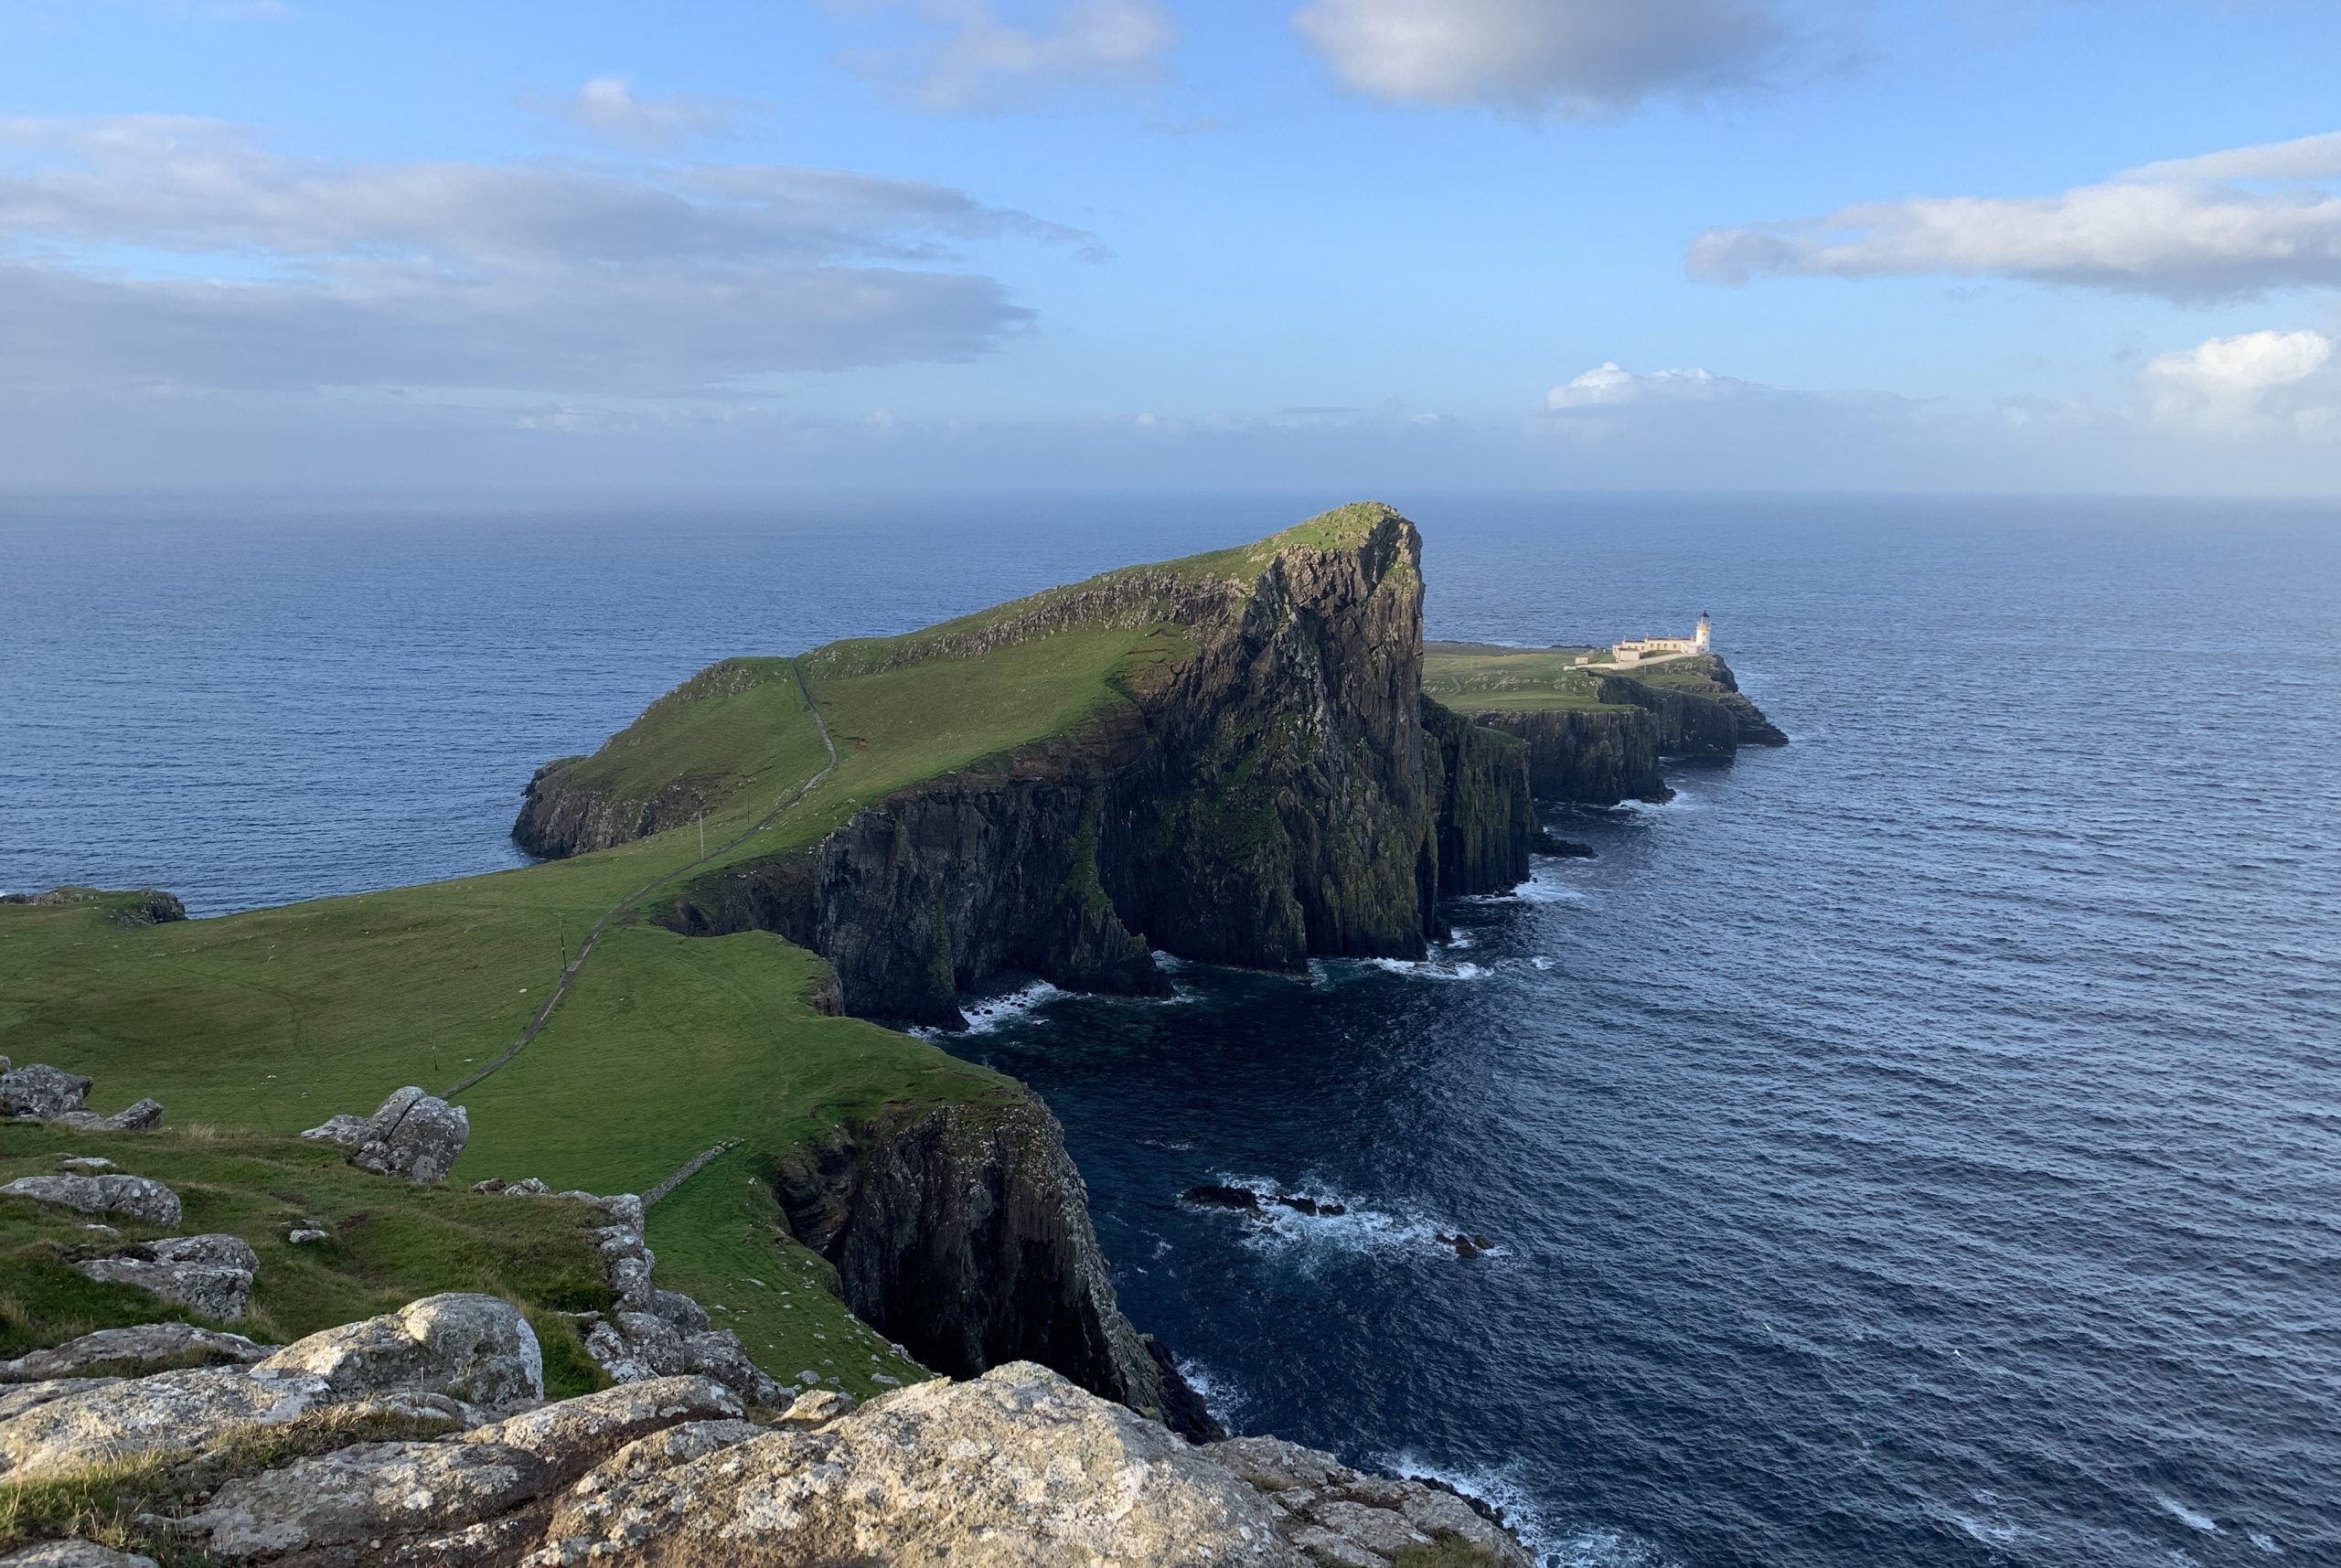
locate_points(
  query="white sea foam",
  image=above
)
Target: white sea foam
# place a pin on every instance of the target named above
(1357, 1228)
(1430, 968)
(1219, 1395)
(988, 1013)
(1540, 962)
(2265, 1542)
(1552, 1546)
(2187, 1516)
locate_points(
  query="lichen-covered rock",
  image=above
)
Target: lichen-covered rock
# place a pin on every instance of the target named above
(169, 1412)
(211, 1275)
(142, 1116)
(18, 1398)
(146, 1348)
(442, 1356)
(476, 1348)
(40, 1092)
(573, 1436)
(136, 1197)
(1340, 1515)
(1016, 1468)
(358, 1494)
(74, 1554)
(414, 1135)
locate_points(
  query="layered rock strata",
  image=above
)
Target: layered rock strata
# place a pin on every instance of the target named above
(1602, 756)
(1283, 791)
(963, 1233)
(1016, 1468)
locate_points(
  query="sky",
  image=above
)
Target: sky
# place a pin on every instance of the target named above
(1921, 245)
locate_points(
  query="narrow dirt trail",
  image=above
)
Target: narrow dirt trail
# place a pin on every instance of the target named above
(585, 948)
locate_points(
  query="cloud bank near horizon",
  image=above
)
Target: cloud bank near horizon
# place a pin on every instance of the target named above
(171, 252)
(2227, 224)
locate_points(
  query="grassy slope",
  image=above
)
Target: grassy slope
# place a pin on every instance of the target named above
(1476, 679)
(388, 1245)
(275, 1019)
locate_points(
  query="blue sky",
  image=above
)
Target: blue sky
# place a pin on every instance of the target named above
(1519, 243)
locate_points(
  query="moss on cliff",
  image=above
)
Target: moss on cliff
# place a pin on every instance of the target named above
(1226, 755)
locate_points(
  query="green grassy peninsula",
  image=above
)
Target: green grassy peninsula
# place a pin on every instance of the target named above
(1229, 757)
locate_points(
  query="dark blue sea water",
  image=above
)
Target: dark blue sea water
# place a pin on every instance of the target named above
(1918, 1146)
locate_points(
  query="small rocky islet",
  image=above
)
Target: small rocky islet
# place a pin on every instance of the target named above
(1249, 758)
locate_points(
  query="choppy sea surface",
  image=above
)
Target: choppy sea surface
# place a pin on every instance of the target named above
(1920, 1146)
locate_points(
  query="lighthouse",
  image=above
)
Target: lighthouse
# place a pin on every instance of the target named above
(1704, 636)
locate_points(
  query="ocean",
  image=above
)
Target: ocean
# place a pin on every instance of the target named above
(1918, 1146)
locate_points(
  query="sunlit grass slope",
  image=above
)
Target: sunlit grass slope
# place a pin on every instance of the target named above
(274, 1019)
(1476, 677)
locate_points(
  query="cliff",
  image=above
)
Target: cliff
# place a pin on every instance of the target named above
(1596, 736)
(963, 1233)
(1278, 791)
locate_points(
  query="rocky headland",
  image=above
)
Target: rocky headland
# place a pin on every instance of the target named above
(1234, 759)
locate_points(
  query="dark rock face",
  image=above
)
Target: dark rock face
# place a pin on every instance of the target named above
(963, 1232)
(1600, 758)
(1286, 793)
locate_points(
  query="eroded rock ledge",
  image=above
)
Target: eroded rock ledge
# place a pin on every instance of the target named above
(421, 1438)
(1284, 792)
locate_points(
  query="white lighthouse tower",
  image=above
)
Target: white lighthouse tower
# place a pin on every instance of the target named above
(1704, 636)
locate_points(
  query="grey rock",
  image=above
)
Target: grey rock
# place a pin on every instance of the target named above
(1274, 1463)
(40, 1090)
(149, 1347)
(1435, 1513)
(444, 1356)
(138, 1197)
(817, 1407)
(306, 1235)
(86, 1164)
(16, 1399)
(143, 1116)
(1035, 1471)
(169, 1412)
(1329, 1546)
(687, 1315)
(476, 1348)
(345, 1130)
(74, 1554)
(1374, 1529)
(575, 1434)
(414, 1135)
(211, 1275)
(664, 1450)
(363, 1493)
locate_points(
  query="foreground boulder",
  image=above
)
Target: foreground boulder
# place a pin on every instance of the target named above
(37, 1091)
(407, 1498)
(465, 1351)
(414, 1135)
(144, 1116)
(135, 1196)
(211, 1275)
(1015, 1468)
(73, 1554)
(146, 1348)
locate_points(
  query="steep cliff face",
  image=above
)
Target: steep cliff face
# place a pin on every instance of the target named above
(1603, 756)
(1284, 792)
(1592, 757)
(963, 1232)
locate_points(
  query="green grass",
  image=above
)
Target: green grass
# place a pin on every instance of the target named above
(1479, 678)
(390, 1243)
(274, 1019)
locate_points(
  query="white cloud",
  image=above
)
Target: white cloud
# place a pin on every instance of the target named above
(971, 59)
(254, 270)
(607, 106)
(2229, 223)
(1568, 57)
(1610, 386)
(2256, 383)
